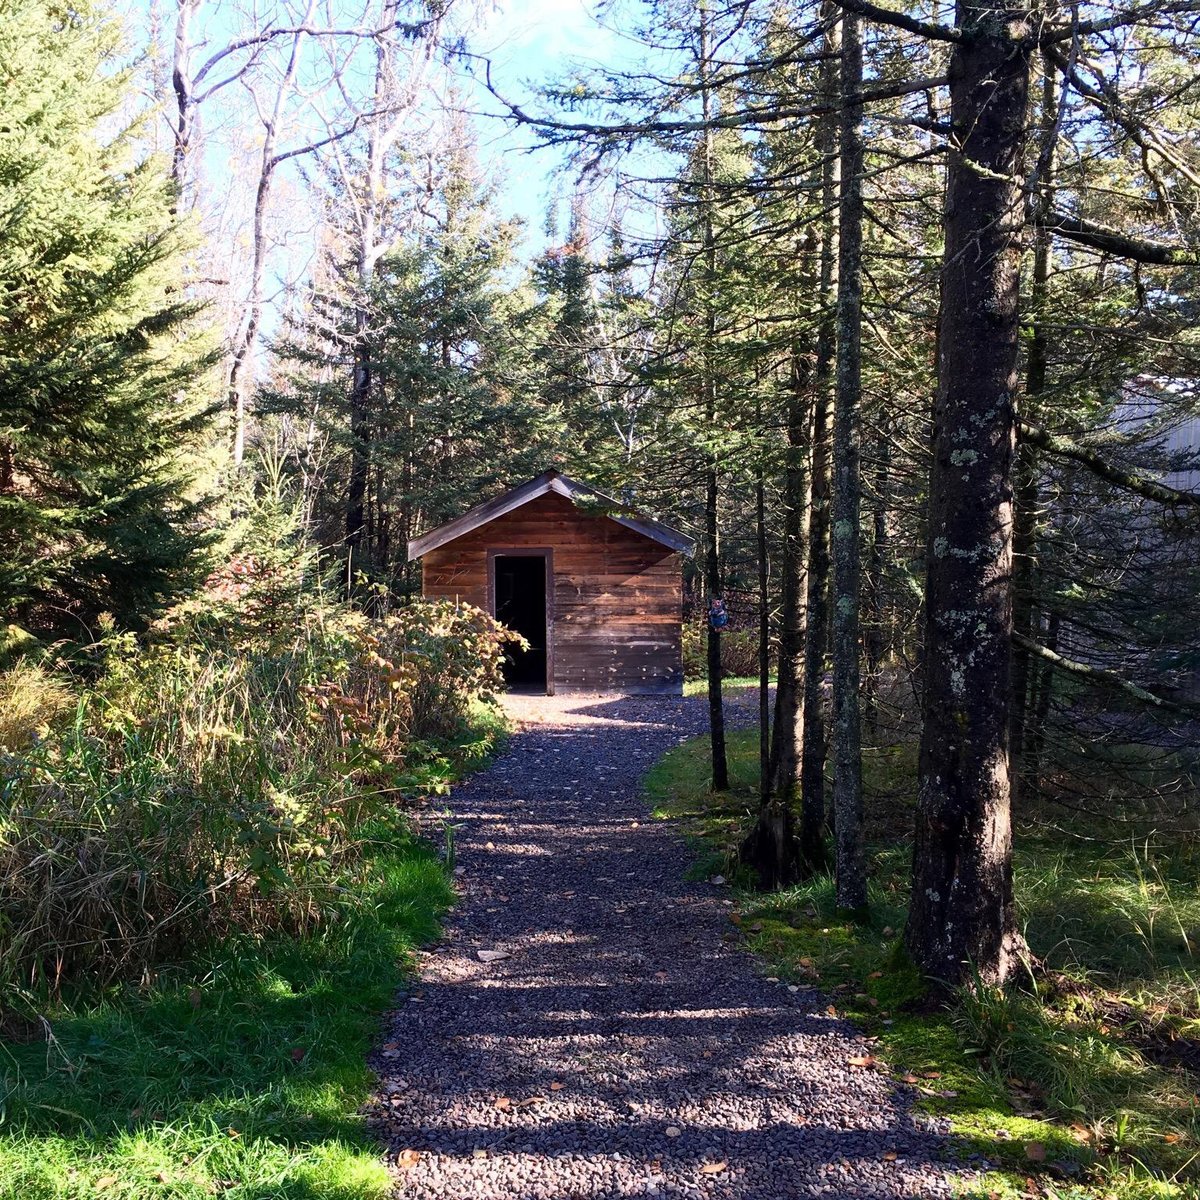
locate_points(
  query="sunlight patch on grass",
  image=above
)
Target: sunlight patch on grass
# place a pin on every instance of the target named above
(241, 1077)
(1055, 1083)
(699, 687)
(240, 1072)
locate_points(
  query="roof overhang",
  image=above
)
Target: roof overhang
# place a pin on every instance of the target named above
(570, 489)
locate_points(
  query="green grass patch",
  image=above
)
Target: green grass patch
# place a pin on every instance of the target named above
(1080, 1084)
(699, 687)
(239, 1072)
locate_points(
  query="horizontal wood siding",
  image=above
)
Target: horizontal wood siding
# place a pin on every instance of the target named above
(617, 595)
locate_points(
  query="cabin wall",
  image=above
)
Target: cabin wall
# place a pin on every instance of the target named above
(617, 603)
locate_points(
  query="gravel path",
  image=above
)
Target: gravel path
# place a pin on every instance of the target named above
(624, 1047)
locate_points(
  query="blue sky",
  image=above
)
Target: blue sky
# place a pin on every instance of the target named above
(530, 41)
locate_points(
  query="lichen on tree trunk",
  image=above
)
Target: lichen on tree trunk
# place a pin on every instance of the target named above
(961, 916)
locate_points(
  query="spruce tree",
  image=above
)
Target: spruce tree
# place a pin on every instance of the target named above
(98, 368)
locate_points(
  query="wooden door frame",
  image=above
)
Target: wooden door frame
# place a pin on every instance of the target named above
(543, 552)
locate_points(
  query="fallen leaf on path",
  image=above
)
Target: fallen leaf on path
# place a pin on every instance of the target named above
(407, 1159)
(931, 1074)
(530, 1101)
(502, 1103)
(862, 1060)
(889, 1156)
(712, 1168)
(831, 1010)
(557, 1087)
(1170, 1138)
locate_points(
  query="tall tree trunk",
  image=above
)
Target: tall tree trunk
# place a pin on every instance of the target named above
(716, 705)
(764, 632)
(185, 106)
(712, 577)
(247, 337)
(1025, 615)
(961, 914)
(1043, 694)
(373, 189)
(788, 727)
(771, 847)
(816, 638)
(873, 639)
(851, 865)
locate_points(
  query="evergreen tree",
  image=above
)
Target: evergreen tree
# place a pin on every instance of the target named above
(441, 332)
(98, 369)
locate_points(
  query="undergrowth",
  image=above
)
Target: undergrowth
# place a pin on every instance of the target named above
(238, 1073)
(212, 881)
(1079, 1083)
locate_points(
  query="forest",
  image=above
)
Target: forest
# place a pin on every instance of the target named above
(889, 307)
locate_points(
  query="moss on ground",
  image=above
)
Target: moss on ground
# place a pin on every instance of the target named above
(1082, 1083)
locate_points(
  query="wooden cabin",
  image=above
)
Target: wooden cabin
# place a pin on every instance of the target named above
(596, 591)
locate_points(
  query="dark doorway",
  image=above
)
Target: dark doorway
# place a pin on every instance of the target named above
(520, 595)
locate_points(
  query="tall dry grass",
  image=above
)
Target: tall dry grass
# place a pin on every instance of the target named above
(215, 780)
(32, 700)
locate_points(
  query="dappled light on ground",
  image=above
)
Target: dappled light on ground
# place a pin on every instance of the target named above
(613, 1040)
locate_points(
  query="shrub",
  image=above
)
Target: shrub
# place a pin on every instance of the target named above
(739, 651)
(219, 778)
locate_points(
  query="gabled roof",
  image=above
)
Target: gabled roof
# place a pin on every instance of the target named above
(548, 481)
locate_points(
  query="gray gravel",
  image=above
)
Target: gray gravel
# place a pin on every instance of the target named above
(626, 1044)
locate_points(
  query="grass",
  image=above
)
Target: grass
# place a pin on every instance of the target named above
(699, 687)
(239, 1072)
(1078, 1085)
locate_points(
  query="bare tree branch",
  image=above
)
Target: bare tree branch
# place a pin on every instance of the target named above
(1112, 241)
(899, 20)
(1131, 481)
(1110, 679)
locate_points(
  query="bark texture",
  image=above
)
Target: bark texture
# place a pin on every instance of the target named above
(712, 567)
(816, 639)
(1026, 616)
(788, 727)
(847, 493)
(961, 916)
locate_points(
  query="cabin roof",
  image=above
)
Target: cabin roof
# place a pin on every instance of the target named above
(548, 481)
